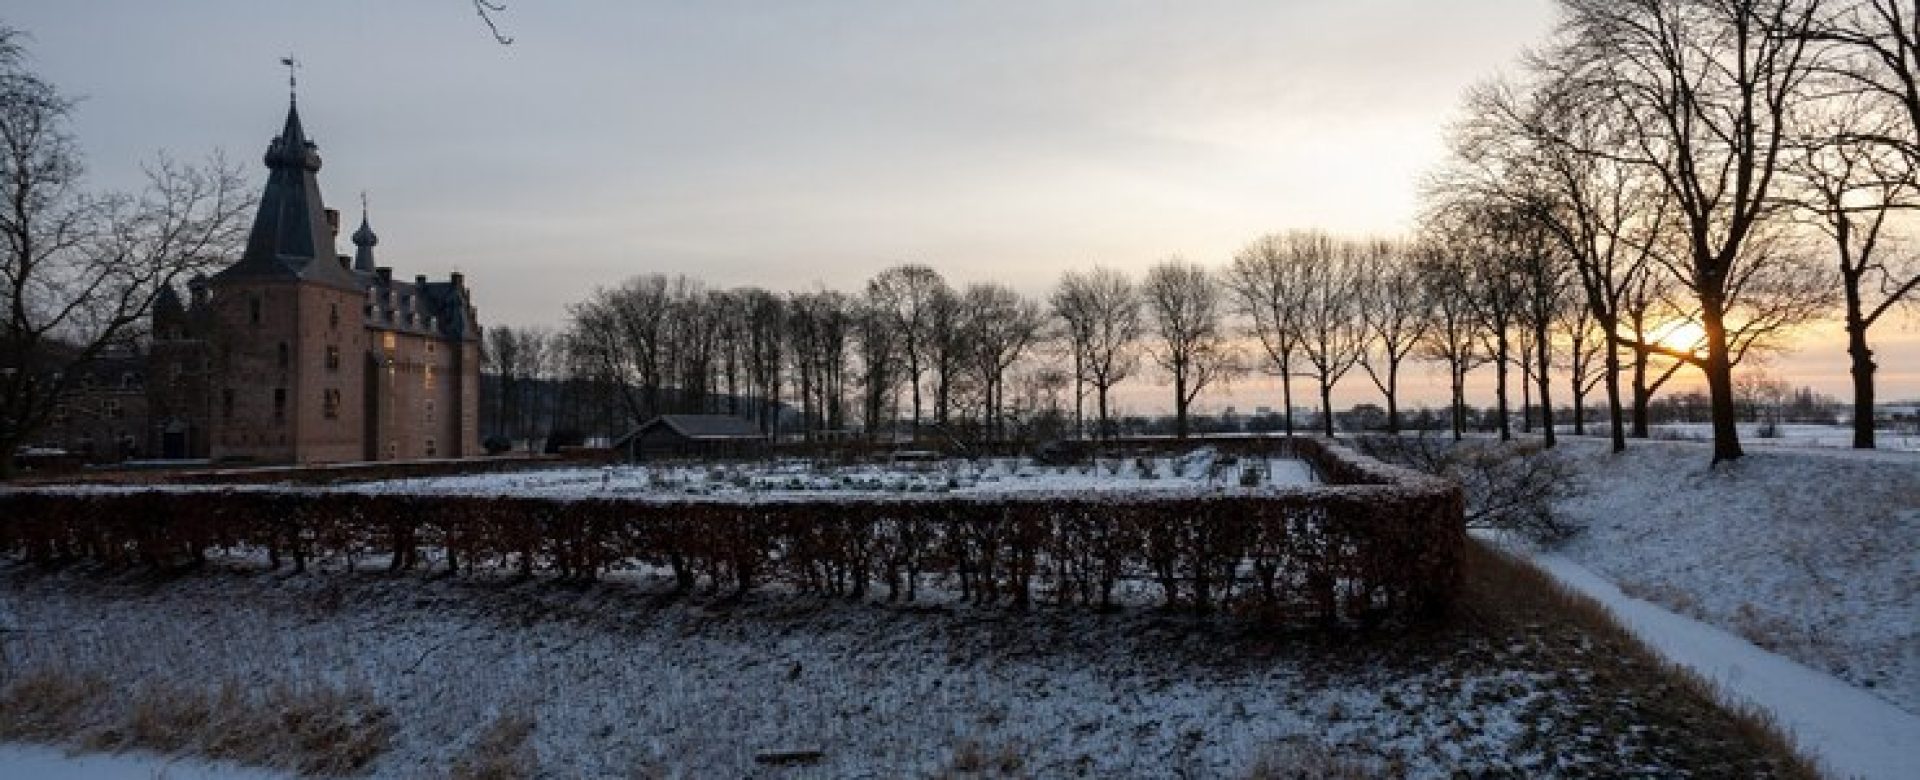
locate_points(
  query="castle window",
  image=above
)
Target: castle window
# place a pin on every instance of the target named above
(330, 403)
(431, 449)
(113, 410)
(127, 381)
(226, 403)
(333, 316)
(286, 357)
(333, 358)
(279, 404)
(253, 310)
(429, 411)
(429, 379)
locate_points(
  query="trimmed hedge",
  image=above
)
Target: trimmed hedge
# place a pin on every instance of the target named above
(1379, 542)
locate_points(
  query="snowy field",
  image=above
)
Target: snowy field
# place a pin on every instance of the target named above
(1202, 470)
(1786, 435)
(615, 679)
(1813, 554)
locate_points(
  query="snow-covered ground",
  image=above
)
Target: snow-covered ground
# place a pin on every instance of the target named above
(1848, 731)
(609, 680)
(35, 762)
(1200, 470)
(1814, 554)
(1787, 435)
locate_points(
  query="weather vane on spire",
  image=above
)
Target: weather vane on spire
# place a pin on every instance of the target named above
(293, 82)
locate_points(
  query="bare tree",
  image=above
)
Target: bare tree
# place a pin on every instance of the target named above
(1333, 335)
(80, 271)
(1850, 188)
(1586, 346)
(910, 295)
(949, 332)
(1452, 336)
(1184, 303)
(765, 346)
(1102, 312)
(1395, 312)
(1527, 149)
(1704, 88)
(521, 359)
(1268, 282)
(1004, 326)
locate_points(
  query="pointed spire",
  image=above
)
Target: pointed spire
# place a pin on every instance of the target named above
(291, 237)
(168, 302)
(364, 241)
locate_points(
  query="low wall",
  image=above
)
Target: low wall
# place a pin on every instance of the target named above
(1374, 542)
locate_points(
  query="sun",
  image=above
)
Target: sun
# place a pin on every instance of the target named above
(1681, 336)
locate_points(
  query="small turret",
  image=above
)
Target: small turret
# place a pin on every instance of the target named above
(364, 241)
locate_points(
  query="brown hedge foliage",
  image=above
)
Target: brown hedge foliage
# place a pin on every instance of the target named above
(1378, 542)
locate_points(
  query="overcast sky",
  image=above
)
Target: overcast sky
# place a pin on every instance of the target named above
(800, 144)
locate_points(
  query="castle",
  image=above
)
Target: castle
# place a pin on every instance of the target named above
(295, 354)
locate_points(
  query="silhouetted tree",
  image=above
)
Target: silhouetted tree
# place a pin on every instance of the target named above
(79, 271)
(1184, 304)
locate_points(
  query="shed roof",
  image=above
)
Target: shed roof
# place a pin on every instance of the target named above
(699, 427)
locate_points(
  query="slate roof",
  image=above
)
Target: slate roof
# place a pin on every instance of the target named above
(698, 427)
(291, 238)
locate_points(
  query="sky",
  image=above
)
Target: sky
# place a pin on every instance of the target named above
(805, 144)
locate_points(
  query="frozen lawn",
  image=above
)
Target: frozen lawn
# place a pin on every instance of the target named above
(619, 679)
(1812, 554)
(1199, 470)
(41, 763)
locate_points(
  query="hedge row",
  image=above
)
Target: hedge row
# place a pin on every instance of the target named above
(1352, 551)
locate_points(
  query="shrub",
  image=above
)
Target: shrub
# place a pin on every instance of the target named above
(1377, 542)
(1511, 486)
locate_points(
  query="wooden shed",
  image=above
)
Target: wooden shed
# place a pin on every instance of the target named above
(692, 435)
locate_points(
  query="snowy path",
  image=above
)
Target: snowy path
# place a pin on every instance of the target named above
(45, 763)
(1851, 733)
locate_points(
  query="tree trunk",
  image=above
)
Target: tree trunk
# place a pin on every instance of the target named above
(1616, 426)
(1179, 406)
(1863, 368)
(1641, 395)
(1542, 353)
(1286, 397)
(1500, 387)
(1393, 404)
(1719, 370)
(1459, 400)
(1326, 406)
(1079, 399)
(1102, 434)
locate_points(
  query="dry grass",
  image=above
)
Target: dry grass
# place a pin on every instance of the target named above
(314, 730)
(1505, 591)
(972, 758)
(502, 752)
(1310, 759)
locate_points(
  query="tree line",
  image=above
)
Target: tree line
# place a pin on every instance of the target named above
(1664, 186)
(1696, 178)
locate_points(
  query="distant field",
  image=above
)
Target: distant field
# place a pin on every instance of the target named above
(1200, 470)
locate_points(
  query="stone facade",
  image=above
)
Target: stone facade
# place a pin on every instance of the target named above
(295, 354)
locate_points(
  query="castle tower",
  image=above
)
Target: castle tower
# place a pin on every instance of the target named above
(286, 325)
